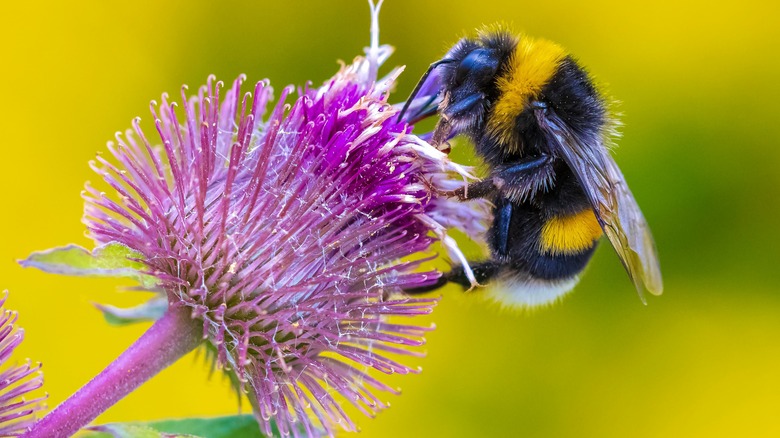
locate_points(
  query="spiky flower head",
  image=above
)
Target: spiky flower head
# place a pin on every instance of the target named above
(17, 411)
(284, 230)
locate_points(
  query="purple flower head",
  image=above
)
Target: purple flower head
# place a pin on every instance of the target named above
(283, 229)
(17, 413)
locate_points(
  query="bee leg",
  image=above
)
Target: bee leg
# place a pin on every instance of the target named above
(524, 177)
(476, 274)
(441, 132)
(523, 180)
(475, 190)
(452, 248)
(502, 220)
(483, 271)
(515, 172)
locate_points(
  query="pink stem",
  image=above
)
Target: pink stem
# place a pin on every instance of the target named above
(167, 340)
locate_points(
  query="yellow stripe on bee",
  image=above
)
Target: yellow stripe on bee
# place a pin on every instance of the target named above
(530, 68)
(570, 234)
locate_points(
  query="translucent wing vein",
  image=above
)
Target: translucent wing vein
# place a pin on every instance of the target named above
(612, 201)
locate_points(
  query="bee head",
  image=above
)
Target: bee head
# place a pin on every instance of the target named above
(461, 87)
(468, 77)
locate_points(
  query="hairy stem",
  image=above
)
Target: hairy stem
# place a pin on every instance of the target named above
(167, 340)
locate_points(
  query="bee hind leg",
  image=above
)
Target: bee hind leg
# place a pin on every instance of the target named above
(483, 272)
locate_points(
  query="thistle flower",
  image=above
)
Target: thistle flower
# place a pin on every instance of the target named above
(17, 413)
(284, 236)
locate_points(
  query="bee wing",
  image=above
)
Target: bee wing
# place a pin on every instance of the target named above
(612, 201)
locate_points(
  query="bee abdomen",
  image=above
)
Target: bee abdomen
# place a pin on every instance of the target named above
(564, 247)
(569, 234)
(554, 267)
(551, 269)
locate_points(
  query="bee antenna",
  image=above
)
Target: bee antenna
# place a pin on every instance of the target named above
(420, 84)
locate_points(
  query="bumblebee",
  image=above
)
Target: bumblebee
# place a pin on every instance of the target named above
(543, 129)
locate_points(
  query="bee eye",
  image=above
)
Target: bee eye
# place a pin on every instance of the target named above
(479, 65)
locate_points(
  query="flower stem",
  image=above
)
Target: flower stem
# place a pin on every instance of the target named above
(167, 340)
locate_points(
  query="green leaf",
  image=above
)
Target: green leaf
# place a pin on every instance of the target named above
(148, 311)
(129, 430)
(234, 426)
(110, 260)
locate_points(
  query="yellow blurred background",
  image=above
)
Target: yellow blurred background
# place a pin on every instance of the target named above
(698, 81)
